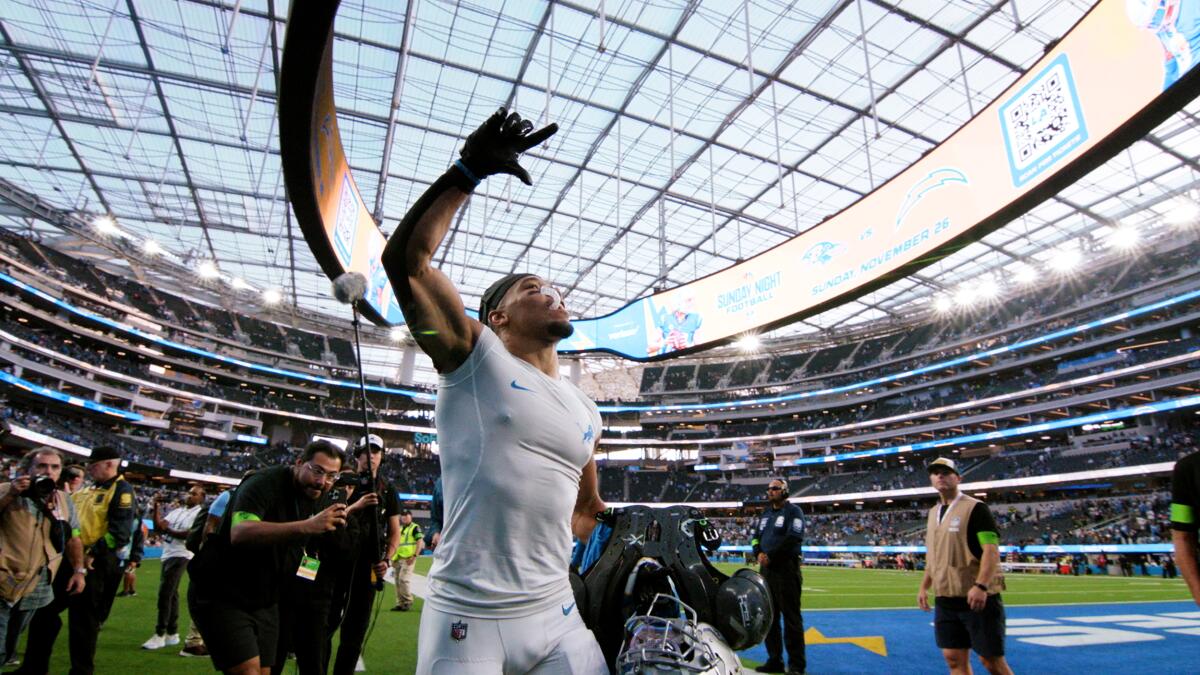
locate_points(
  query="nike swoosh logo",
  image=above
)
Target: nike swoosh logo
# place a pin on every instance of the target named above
(514, 385)
(567, 609)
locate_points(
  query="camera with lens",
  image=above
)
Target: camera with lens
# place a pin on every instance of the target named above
(41, 488)
(341, 493)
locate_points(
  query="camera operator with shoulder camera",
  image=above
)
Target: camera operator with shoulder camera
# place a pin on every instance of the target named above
(38, 525)
(379, 542)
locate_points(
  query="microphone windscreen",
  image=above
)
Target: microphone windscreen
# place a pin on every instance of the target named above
(349, 287)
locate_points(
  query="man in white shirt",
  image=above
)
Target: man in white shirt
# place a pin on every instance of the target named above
(175, 556)
(516, 443)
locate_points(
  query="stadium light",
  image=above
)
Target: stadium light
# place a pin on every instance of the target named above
(943, 303)
(106, 225)
(1065, 260)
(987, 288)
(1124, 237)
(397, 334)
(965, 295)
(207, 270)
(151, 247)
(748, 343)
(1025, 274)
(239, 283)
(272, 296)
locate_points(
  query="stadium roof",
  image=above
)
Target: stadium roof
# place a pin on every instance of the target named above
(724, 127)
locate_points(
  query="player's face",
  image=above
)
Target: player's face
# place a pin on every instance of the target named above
(533, 304)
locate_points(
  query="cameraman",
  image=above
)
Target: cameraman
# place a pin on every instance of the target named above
(239, 573)
(379, 543)
(106, 518)
(37, 524)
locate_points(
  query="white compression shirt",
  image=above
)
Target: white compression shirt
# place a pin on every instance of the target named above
(513, 445)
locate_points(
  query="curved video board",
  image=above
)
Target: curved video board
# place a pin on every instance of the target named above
(1111, 79)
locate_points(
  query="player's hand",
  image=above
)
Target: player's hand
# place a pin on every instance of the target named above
(494, 147)
(583, 519)
(435, 540)
(380, 569)
(976, 599)
(76, 584)
(369, 499)
(764, 560)
(328, 520)
(21, 484)
(923, 599)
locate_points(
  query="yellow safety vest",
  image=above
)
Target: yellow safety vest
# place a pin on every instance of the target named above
(409, 536)
(92, 504)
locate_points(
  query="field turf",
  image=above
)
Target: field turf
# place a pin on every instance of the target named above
(392, 645)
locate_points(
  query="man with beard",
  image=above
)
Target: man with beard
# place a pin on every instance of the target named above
(237, 576)
(500, 599)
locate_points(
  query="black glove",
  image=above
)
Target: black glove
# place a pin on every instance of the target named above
(494, 147)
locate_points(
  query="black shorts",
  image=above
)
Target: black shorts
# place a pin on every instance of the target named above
(234, 635)
(956, 626)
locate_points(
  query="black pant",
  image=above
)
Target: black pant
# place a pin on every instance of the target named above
(83, 618)
(168, 596)
(784, 579)
(356, 619)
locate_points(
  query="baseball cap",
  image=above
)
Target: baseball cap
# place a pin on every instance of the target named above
(101, 453)
(371, 439)
(405, 512)
(495, 293)
(944, 463)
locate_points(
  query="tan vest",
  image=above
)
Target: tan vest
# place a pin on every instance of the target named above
(25, 548)
(948, 558)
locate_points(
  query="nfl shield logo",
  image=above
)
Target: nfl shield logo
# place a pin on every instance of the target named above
(458, 630)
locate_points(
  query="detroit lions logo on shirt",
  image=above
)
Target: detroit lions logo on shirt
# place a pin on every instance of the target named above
(589, 434)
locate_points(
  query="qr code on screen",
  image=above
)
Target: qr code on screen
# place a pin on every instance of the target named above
(1042, 122)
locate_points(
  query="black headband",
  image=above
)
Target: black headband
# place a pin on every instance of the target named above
(495, 293)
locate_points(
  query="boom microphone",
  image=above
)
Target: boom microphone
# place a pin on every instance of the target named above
(350, 287)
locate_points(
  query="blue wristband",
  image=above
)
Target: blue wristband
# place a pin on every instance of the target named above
(458, 163)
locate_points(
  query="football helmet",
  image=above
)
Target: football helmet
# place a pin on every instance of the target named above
(668, 640)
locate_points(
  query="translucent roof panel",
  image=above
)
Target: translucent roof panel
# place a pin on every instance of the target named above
(693, 134)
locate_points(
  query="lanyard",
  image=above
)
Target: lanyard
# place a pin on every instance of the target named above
(942, 514)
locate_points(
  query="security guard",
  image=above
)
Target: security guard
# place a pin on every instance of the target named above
(106, 516)
(412, 542)
(776, 546)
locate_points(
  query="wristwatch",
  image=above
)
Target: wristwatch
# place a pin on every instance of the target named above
(81, 570)
(982, 587)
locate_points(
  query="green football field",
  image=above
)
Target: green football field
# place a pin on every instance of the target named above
(392, 645)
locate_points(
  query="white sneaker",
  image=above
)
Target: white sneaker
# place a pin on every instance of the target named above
(360, 667)
(171, 640)
(155, 642)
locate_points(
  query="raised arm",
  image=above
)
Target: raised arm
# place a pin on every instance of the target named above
(431, 304)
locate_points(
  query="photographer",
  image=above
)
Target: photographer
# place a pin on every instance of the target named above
(379, 544)
(239, 573)
(38, 524)
(315, 601)
(106, 519)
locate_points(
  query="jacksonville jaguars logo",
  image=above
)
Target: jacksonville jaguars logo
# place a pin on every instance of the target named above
(821, 253)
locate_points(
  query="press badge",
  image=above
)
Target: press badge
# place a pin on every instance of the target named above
(308, 568)
(779, 521)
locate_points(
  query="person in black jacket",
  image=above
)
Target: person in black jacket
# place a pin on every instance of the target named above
(776, 547)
